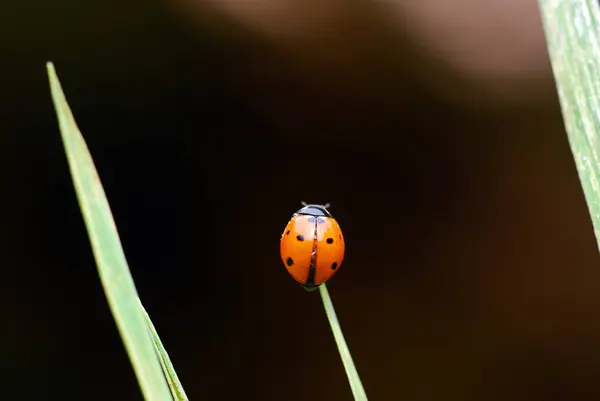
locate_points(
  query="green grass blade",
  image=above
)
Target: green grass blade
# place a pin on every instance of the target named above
(165, 362)
(108, 252)
(355, 384)
(572, 29)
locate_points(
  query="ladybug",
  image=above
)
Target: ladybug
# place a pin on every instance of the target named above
(312, 246)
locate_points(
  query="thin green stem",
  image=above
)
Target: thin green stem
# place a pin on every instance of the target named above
(355, 384)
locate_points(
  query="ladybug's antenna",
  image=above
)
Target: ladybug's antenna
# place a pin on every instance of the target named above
(327, 205)
(303, 203)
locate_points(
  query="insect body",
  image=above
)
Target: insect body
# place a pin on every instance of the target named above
(312, 246)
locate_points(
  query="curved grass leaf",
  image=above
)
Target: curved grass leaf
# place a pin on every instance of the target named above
(108, 252)
(165, 362)
(355, 384)
(572, 29)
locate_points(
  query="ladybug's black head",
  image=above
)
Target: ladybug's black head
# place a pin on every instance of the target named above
(314, 210)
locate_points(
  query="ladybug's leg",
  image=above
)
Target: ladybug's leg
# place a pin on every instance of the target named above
(303, 203)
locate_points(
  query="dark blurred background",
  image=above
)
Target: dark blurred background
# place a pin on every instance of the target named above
(433, 129)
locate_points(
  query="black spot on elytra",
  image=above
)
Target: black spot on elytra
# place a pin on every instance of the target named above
(334, 266)
(289, 261)
(330, 240)
(300, 237)
(288, 232)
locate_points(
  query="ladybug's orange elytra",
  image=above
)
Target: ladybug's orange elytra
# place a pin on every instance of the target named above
(312, 246)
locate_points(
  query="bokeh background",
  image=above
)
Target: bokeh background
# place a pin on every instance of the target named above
(432, 128)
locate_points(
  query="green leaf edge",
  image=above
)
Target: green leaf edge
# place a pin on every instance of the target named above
(572, 30)
(108, 252)
(168, 370)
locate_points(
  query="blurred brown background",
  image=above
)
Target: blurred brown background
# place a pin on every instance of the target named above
(433, 129)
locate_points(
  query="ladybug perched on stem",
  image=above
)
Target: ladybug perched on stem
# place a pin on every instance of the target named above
(312, 246)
